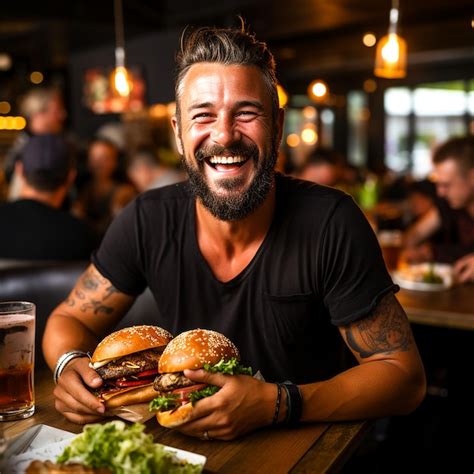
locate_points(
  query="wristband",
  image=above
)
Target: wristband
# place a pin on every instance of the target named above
(64, 360)
(294, 404)
(277, 405)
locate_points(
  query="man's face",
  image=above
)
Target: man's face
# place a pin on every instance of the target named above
(55, 114)
(456, 186)
(102, 160)
(226, 136)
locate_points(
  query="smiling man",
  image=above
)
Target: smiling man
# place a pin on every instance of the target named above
(282, 267)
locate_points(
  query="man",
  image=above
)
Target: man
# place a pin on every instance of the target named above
(267, 260)
(34, 227)
(323, 166)
(146, 171)
(454, 176)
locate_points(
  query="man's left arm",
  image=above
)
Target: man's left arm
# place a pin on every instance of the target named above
(389, 379)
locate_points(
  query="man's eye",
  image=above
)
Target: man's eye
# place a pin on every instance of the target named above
(202, 116)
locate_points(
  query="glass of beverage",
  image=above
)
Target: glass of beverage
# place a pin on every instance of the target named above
(17, 352)
(391, 243)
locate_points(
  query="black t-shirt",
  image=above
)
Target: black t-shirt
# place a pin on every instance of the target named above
(319, 263)
(32, 230)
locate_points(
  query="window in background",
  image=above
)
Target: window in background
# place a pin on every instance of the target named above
(430, 113)
(357, 119)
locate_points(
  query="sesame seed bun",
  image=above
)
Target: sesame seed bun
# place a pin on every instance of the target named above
(129, 340)
(192, 349)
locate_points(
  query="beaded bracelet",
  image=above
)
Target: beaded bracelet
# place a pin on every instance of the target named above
(277, 405)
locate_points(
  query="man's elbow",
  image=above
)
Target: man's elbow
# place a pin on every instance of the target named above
(415, 393)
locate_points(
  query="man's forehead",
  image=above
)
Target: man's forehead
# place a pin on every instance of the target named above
(214, 78)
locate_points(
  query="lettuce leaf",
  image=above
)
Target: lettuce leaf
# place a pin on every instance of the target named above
(164, 403)
(123, 449)
(230, 367)
(205, 392)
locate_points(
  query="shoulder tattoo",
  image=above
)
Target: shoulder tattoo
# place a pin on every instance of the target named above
(384, 331)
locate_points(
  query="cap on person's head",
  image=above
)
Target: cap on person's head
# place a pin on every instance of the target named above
(46, 161)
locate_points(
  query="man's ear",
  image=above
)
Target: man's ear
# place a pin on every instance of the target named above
(177, 136)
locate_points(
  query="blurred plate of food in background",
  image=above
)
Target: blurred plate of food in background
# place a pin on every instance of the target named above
(424, 276)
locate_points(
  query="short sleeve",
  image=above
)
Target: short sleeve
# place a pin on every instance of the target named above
(119, 256)
(354, 276)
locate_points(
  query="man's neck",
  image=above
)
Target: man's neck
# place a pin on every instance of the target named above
(231, 237)
(52, 199)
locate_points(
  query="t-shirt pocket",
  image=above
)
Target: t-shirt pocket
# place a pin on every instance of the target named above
(288, 318)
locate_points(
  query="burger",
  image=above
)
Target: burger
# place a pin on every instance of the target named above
(196, 349)
(127, 361)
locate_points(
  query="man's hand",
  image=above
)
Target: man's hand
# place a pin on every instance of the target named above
(73, 399)
(243, 404)
(464, 268)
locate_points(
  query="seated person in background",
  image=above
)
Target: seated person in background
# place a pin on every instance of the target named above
(454, 217)
(34, 227)
(323, 166)
(146, 171)
(421, 198)
(268, 260)
(104, 194)
(44, 111)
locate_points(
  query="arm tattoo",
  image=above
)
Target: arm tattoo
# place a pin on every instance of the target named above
(97, 306)
(385, 331)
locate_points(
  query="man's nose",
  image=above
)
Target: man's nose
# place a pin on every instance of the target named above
(224, 131)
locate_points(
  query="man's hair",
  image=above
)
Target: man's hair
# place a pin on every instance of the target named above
(47, 160)
(323, 155)
(459, 149)
(227, 46)
(37, 100)
(144, 155)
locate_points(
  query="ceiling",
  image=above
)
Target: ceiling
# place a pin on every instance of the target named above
(308, 37)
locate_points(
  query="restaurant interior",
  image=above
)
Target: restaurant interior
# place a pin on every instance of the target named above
(368, 123)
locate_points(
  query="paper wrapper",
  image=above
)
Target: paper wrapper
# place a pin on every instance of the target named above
(138, 413)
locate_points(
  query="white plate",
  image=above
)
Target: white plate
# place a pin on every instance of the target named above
(50, 451)
(410, 277)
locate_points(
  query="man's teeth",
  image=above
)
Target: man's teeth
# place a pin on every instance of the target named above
(227, 160)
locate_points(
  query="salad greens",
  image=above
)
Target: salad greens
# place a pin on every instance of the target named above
(230, 367)
(205, 392)
(123, 449)
(165, 402)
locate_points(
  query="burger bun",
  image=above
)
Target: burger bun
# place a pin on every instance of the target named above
(174, 418)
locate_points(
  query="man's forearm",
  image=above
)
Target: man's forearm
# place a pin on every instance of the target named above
(371, 390)
(64, 333)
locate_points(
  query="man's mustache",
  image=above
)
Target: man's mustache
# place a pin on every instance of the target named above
(243, 150)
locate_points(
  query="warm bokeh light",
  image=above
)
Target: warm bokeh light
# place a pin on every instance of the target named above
(318, 89)
(19, 123)
(391, 57)
(171, 109)
(369, 40)
(159, 111)
(309, 112)
(36, 77)
(12, 123)
(293, 140)
(5, 62)
(282, 96)
(4, 107)
(122, 83)
(370, 85)
(309, 136)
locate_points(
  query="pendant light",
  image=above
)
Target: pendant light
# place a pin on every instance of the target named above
(391, 55)
(121, 80)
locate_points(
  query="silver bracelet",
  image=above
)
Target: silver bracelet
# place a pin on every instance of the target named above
(64, 360)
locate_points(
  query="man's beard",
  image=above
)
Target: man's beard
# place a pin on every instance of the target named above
(234, 205)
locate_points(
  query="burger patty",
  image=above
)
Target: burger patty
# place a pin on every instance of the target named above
(171, 381)
(130, 364)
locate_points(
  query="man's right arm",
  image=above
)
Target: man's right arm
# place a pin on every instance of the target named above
(90, 311)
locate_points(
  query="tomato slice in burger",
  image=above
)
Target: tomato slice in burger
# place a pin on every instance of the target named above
(183, 393)
(147, 373)
(133, 383)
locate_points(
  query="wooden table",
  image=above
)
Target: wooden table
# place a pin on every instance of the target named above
(318, 448)
(451, 308)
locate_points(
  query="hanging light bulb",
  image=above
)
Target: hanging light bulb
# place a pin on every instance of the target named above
(121, 77)
(391, 55)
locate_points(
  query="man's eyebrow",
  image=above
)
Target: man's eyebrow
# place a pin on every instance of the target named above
(199, 105)
(243, 103)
